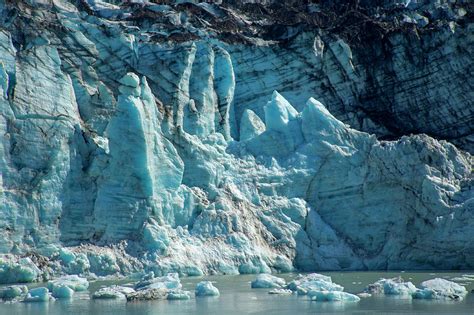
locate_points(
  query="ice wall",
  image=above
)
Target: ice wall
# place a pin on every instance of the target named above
(201, 156)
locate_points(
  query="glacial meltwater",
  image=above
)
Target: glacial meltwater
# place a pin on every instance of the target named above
(236, 297)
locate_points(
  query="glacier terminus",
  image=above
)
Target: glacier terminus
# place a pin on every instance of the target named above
(165, 137)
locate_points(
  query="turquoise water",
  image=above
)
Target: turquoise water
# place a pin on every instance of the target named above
(237, 298)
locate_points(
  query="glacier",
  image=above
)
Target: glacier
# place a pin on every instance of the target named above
(134, 140)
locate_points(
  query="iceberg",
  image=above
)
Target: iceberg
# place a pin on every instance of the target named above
(320, 288)
(332, 296)
(12, 292)
(73, 282)
(112, 292)
(62, 291)
(394, 286)
(267, 281)
(40, 294)
(148, 295)
(440, 289)
(149, 281)
(154, 288)
(313, 282)
(434, 289)
(205, 288)
(178, 295)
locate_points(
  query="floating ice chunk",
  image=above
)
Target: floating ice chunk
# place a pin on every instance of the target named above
(148, 294)
(439, 284)
(250, 125)
(40, 294)
(436, 289)
(425, 294)
(112, 292)
(394, 286)
(281, 291)
(205, 288)
(108, 294)
(313, 282)
(321, 288)
(267, 281)
(364, 295)
(179, 295)
(169, 282)
(74, 282)
(463, 278)
(13, 291)
(332, 296)
(404, 288)
(62, 292)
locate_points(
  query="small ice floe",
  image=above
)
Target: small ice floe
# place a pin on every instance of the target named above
(394, 286)
(440, 289)
(332, 296)
(364, 295)
(320, 288)
(179, 295)
(434, 289)
(205, 288)
(281, 291)
(13, 292)
(158, 288)
(148, 295)
(40, 294)
(314, 281)
(74, 282)
(113, 292)
(62, 292)
(267, 281)
(171, 282)
(463, 278)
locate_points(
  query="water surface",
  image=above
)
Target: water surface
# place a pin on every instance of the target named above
(237, 298)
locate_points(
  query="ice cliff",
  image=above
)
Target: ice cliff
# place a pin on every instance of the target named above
(164, 137)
